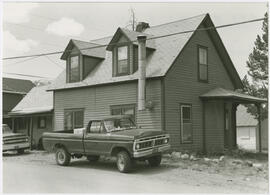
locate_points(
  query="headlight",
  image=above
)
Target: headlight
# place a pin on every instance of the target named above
(26, 139)
(166, 141)
(137, 146)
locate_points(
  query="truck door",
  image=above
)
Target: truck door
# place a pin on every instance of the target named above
(96, 140)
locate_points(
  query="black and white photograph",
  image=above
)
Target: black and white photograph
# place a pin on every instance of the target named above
(122, 97)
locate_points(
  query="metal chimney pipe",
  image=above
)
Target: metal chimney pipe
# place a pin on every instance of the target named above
(142, 71)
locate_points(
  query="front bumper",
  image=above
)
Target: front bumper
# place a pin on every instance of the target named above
(149, 152)
(7, 147)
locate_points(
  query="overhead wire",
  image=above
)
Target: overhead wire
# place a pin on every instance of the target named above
(150, 38)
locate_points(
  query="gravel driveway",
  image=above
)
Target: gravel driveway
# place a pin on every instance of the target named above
(37, 172)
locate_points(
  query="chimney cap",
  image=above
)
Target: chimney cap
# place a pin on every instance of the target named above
(141, 37)
(141, 26)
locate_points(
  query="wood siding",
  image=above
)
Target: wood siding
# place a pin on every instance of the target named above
(181, 85)
(97, 101)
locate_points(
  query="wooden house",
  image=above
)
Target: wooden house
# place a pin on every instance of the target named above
(175, 77)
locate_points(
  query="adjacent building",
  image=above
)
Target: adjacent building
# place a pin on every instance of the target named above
(13, 91)
(181, 83)
(33, 115)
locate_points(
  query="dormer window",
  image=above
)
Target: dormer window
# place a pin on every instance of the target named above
(74, 70)
(122, 61)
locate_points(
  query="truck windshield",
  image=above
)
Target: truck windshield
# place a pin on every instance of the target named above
(119, 124)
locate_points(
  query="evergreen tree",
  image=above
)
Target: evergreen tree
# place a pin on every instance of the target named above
(258, 70)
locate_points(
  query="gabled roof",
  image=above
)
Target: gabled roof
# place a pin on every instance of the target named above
(158, 62)
(131, 36)
(38, 100)
(18, 86)
(220, 93)
(244, 118)
(82, 46)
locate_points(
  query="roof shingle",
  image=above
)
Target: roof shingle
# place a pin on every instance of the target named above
(17, 85)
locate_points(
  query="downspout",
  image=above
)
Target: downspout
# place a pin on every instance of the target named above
(142, 71)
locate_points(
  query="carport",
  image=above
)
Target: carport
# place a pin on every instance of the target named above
(219, 117)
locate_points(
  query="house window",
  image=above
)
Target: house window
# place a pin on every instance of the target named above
(73, 119)
(42, 122)
(123, 110)
(203, 63)
(74, 71)
(122, 60)
(186, 123)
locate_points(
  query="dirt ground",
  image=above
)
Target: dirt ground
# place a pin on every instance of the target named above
(234, 172)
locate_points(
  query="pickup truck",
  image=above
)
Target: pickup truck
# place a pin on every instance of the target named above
(114, 136)
(14, 141)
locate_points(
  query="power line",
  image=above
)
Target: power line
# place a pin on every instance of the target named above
(28, 59)
(28, 75)
(151, 38)
(54, 62)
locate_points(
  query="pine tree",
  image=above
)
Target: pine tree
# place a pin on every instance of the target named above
(258, 70)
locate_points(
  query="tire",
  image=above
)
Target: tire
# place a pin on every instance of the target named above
(20, 151)
(40, 144)
(154, 161)
(123, 162)
(92, 158)
(62, 157)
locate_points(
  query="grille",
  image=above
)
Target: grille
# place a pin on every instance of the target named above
(145, 144)
(159, 142)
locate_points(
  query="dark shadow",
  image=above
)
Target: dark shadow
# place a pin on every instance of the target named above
(110, 165)
(15, 153)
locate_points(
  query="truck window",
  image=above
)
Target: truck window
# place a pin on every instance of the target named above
(95, 127)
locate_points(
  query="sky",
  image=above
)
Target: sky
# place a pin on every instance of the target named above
(33, 28)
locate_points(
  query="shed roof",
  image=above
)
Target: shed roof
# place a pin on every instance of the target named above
(243, 118)
(19, 86)
(158, 62)
(220, 93)
(38, 100)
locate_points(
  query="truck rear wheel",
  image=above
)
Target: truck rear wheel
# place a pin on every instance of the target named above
(62, 157)
(92, 158)
(154, 161)
(124, 162)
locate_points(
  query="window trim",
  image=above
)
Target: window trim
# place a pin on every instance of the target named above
(125, 105)
(42, 117)
(69, 67)
(181, 123)
(128, 60)
(73, 118)
(207, 65)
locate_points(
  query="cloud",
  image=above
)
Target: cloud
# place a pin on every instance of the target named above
(14, 46)
(18, 12)
(65, 27)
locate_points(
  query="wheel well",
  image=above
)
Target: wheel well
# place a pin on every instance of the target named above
(56, 146)
(115, 150)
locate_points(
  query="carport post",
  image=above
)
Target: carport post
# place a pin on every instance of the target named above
(259, 126)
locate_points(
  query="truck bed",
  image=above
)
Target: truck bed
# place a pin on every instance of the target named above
(72, 142)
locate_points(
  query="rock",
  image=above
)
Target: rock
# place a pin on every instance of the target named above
(176, 155)
(249, 163)
(247, 179)
(215, 160)
(206, 159)
(237, 162)
(185, 156)
(258, 166)
(221, 158)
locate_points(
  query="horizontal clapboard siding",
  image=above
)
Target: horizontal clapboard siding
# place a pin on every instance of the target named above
(182, 86)
(97, 101)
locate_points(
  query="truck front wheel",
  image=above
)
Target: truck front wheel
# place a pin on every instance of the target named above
(124, 162)
(62, 157)
(154, 161)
